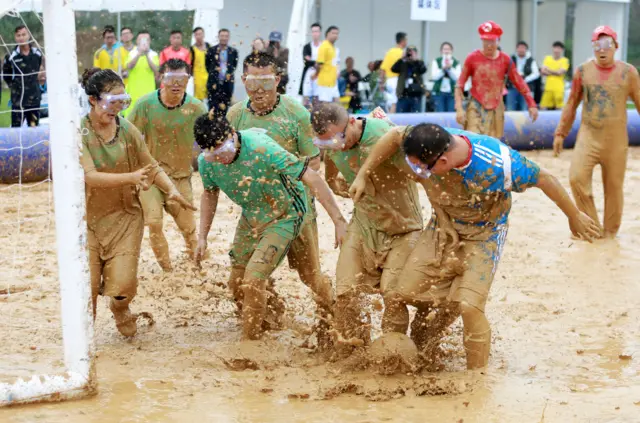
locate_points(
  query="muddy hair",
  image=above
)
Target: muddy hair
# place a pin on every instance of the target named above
(211, 129)
(325, 114)
(260, 59)
(426, 141)
(96, 81)
(174, 65)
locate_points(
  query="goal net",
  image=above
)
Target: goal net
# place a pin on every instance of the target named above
(47, 346)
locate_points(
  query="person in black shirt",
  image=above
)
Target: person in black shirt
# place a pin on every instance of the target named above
(22, 68)
(221, 61)
(410, 85)
(352, 77)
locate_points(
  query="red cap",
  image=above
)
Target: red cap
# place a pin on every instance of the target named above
(604, 30)
(490, 31)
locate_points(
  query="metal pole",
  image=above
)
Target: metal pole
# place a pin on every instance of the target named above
(625, 37)
(534, 28)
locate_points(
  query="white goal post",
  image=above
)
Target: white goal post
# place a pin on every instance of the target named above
(71, 232)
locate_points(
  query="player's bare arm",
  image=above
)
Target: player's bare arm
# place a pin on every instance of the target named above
(568, 113)
(335, 181)
(321, 191)
(208, 207)
(582, 226)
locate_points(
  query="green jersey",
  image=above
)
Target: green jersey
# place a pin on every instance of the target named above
(395, 207)
(168, 131)
(264, 179)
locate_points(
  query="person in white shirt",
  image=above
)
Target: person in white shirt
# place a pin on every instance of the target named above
(445, 71)
(308, 86)
(528, 69)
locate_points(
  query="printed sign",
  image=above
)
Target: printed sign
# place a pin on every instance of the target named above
(429, 10)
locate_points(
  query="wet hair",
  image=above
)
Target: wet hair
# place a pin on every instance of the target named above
(400, 37)
(325, 114)
(174, 65)
(109, 29)
(446, 43)
(331, 28)
(316, 25)
(124, 28)
(96, 81)
(522, 43)
(260, 59)
(224, 30)
(198, 28)
(175, 31)
(558, 44)
(426, 141)
(211, 129)
(19, 28)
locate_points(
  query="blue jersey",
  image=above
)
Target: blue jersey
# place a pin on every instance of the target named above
(478, 195)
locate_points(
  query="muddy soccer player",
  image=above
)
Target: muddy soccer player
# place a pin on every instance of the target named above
(165, 117)
(268, 183)
(386, 223)
(469, 179)
(489, 69)
(286, 121)
(117, 164)
(603, 85)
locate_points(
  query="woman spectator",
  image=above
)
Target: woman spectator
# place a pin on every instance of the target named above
(445, 71)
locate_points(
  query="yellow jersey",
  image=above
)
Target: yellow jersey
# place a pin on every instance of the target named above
(390, 59)
(114, 60)
(328, 76)
(200, 74)
(555, 82)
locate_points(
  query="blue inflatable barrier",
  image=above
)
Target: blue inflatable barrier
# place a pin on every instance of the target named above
(519, 133)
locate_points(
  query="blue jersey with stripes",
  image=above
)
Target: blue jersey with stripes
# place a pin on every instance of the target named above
(479, 194)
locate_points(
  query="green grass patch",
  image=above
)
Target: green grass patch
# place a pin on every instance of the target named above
(5, 111)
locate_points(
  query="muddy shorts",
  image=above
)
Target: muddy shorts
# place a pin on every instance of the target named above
(154, 202)
(361, 263)
(429, 278)
(113, 264)
(483, 121)
(261, 252)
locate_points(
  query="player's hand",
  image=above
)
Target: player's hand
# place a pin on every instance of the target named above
(339, 186)
(174, 195)
(533, 113)
(360, 186)
(583, 227)
(201, 250)
(558, 145)
(141, 177)
(461, 118)
(341, 232)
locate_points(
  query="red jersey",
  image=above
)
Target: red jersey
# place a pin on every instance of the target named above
(170, 53)
(489, 76)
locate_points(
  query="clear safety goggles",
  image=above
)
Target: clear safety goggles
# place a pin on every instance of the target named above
(422, 170)
(115, 103)
(605, 43)
(224, 150)
(175, 78)
(264, 82)
(337, 142)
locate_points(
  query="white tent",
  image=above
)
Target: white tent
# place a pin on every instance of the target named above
(115, 6)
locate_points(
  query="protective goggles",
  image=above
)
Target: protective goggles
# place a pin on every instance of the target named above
(175, 78)
(605, 43)
(223, 150)
(336, 143)
(264, 82)
(422, 170)
(115, 103)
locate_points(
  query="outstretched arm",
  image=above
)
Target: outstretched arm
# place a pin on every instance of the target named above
(384, 149)
(208, 207)
(321, 191)
(581, 225)
(568, 115)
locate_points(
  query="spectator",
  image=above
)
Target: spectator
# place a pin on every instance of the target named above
(221, 62)
(110, 56)
(126, 38)
(393, 55)
(352, 78)
(554, 68)
(281, 55)
(327, 74)
(199, 68)
(143, 66)
(528, 70)
(175, 49)
(376, 81)
(23, 70)
(445, 71)
(258, 45)
(310, 55)
(410, 88)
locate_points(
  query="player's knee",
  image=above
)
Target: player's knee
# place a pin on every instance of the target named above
(155, 228)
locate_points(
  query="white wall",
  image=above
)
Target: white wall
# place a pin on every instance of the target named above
(590, 15)
(551, 25)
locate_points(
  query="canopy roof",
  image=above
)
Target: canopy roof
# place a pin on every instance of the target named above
(114, 5)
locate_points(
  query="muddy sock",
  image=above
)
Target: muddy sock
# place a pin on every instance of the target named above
(396, 314)
(254, 309)
(477, 337)
(160, 247)
(125, 320)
